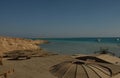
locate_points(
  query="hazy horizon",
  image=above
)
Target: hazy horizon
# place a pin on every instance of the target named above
(60, 18)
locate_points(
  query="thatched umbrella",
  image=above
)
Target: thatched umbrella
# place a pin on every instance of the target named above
(84, 69)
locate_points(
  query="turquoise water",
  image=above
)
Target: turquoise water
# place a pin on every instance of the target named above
(81, 45)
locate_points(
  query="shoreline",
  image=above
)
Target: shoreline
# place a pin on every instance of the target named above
(74, 47)
(41, 62)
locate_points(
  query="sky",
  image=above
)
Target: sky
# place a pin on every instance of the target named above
(60, 18)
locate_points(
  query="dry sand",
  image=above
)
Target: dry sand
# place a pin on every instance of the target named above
(37, 67)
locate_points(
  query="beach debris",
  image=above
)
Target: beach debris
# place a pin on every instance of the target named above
(19, 54)
(84, 69)
(104, 51)
(27, 54)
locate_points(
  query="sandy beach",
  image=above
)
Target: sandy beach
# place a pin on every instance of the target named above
(59, 39)
(37, 67)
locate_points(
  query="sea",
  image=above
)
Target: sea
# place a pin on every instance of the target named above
(83, 45)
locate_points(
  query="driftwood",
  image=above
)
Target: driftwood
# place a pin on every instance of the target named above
(1, 63)
(26, 54)
(18, 54)
(104, 51)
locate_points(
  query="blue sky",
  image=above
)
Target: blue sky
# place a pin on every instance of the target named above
(60, 18)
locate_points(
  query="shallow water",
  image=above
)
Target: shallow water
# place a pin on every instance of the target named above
(75, 47)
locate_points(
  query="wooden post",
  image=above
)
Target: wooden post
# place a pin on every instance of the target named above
(5, 75)
(1, 63)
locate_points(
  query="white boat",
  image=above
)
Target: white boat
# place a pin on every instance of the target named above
(118, 39)
(98, 40)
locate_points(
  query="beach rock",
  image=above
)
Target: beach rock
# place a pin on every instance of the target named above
(8, 44)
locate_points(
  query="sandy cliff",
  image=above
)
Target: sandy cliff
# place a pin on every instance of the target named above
(11, 44)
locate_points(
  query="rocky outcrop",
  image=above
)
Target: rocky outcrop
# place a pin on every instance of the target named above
(10, 44)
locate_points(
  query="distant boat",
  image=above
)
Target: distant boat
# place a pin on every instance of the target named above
(118, 42)
(98, 40)
(118, 39)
